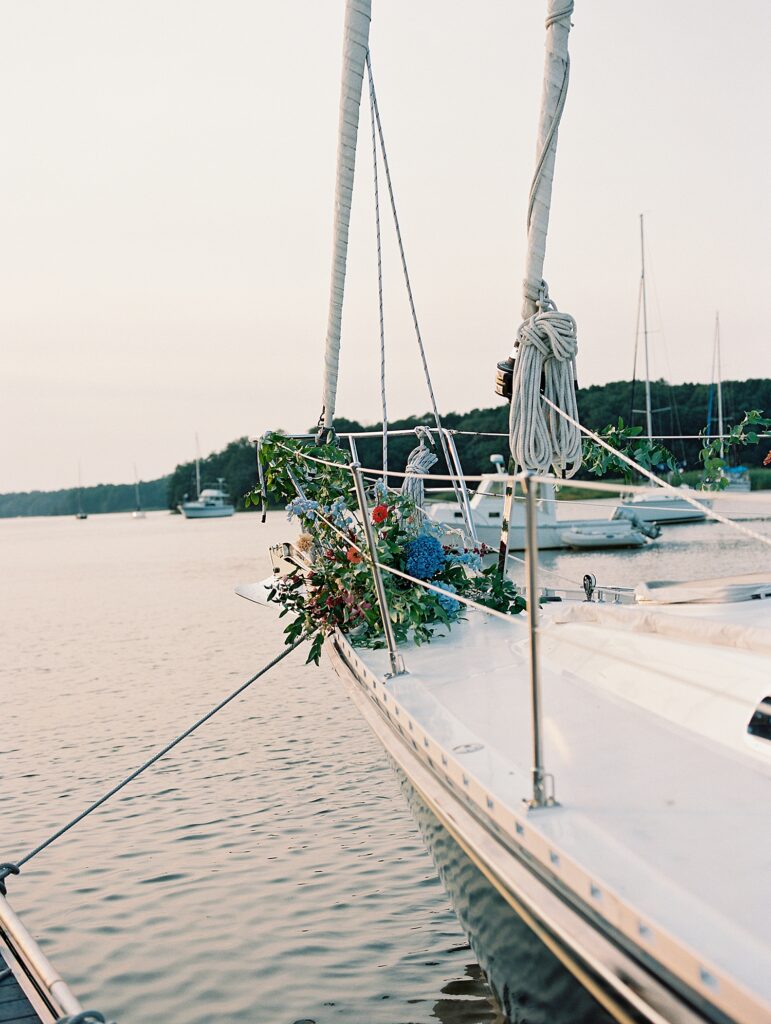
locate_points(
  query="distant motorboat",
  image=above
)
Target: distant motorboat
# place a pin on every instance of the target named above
(486, 507)
(212, 503)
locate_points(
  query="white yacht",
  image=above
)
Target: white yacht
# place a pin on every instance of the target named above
(486, 509)
(655, 505)
(212, 503)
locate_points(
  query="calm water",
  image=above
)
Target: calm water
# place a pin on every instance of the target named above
(268, 869)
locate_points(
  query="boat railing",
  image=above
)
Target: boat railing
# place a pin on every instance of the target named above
(45, 986)
(542, 792)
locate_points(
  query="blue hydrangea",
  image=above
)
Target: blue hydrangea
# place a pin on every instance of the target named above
(339, 514)
(425, 557)
(450, 605)
(469, 558)
(304, 508)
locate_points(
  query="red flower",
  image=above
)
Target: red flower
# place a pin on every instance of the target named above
(353, 556)
(379, 513)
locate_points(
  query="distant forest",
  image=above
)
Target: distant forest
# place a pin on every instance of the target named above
(102, 498)
(678, 409)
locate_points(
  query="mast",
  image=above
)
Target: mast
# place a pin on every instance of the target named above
(197, 468)
(648, 416)
(136, 488)
(555, 84)
(355, 47)
(719, 384)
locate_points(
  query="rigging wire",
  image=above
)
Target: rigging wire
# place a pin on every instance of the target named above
(437, 419)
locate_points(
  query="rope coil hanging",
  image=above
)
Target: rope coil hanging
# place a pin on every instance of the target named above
(545, 367)
(420, 461)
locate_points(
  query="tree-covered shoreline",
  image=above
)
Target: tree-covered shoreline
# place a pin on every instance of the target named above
(681, 409)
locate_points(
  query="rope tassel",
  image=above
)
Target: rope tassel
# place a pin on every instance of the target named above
(545, 365)
(420, 461)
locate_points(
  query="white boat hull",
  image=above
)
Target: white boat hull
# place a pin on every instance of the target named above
(623, 917)
(664, 509)
(190, 510)
(538, 951)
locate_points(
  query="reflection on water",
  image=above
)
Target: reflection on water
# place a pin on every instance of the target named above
(268, 869)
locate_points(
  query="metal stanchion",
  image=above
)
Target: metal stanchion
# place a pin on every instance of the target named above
(468, 513)
(397, 665)
(540, 797)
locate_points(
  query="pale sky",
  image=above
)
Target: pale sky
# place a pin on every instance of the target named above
(166, 199)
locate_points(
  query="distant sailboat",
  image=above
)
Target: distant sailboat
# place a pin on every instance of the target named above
(210, 503)
(738, 477)
(80, 514)
(138, 512)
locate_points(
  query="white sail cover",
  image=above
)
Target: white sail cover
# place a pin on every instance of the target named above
(556, 71)
(355, 45)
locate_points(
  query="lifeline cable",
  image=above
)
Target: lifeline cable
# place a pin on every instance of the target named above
(14, 867)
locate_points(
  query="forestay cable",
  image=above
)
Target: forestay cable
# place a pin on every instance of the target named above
(410, 298)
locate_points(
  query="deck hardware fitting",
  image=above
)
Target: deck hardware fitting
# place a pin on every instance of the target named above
(708, 979)
(596, 893)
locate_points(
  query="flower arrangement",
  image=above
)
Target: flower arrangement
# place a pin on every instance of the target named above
(336, 590)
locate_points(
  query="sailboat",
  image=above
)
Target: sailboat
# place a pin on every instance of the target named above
(80, 514)
(652, 506)
(589, 774)
(139, 512)
(737, 477)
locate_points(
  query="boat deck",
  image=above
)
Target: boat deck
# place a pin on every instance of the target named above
(15, 1008)
(661, 826)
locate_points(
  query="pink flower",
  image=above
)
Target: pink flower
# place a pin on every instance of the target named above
(353, 556)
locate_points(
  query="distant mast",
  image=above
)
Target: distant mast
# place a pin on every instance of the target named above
(136, 489)
(197, 468)
(719, 384)
(648, 416)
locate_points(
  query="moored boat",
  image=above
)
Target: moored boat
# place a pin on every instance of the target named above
(598, 756)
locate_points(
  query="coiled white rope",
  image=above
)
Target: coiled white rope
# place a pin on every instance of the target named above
(545, 365)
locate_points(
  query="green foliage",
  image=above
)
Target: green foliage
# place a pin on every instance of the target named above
(94, 500)
(335, 589)
(714, 454)
(627, 441)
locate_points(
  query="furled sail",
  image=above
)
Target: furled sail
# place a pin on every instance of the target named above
(355, 45)
(539, 375)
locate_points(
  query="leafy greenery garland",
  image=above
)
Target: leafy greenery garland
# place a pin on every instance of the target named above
(336, 590)
(654, 456)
